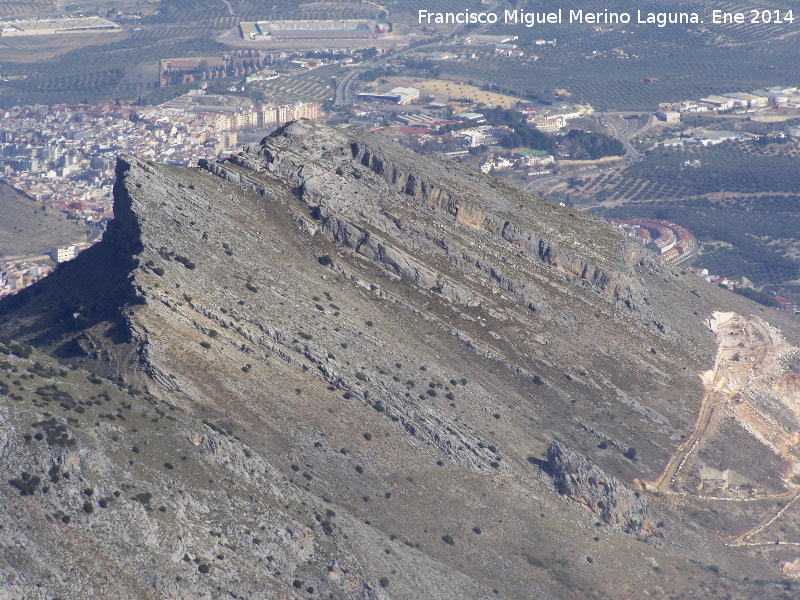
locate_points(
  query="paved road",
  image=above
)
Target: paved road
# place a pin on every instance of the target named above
(692, 252)
(624, 135)
(344, 88)
(633, 125)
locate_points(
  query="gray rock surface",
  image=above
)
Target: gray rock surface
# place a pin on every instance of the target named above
(342, 326)
(577, 478)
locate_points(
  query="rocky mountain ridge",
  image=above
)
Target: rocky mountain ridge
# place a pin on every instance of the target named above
(374, 352)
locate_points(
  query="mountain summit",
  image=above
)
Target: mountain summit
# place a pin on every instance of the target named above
(331, 367)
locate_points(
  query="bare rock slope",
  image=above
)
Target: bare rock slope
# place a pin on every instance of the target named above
(329, 367)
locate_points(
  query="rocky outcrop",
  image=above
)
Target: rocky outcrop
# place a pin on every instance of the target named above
(328, 187)
(581, 481)
(615, 284)
(124, 232)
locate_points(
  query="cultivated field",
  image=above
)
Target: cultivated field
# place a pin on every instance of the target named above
(309, 86)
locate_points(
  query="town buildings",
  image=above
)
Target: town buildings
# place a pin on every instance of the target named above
(64, 155)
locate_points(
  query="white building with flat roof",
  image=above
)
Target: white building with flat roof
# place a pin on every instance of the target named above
(398, 95)
(669, 116)
(62, 254)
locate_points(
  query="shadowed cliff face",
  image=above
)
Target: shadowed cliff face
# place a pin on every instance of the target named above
(367, 355)
(73, 312)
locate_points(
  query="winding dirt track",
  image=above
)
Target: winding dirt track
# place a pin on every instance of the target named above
(667, 477)
(743, 537)
(744, 345)
(736, 334)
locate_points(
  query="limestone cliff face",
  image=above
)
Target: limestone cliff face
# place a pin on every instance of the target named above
(603, 494)
(336, 158)
(124, 232)
(617, 285)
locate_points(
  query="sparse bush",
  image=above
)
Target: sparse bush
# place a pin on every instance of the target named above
(168, 466)
(88, 507)
(213, 333)
(448, 539)
(477, 530)
(359, 469)
(203, 568)
(368, 436)
(360, 376)
(143, 498)
(384, 581)
(55, 473)
(26, 483)
(251, 287)
(630, 453)
(185, 262)
(324, 260)
(159, 271)
(205, 345)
